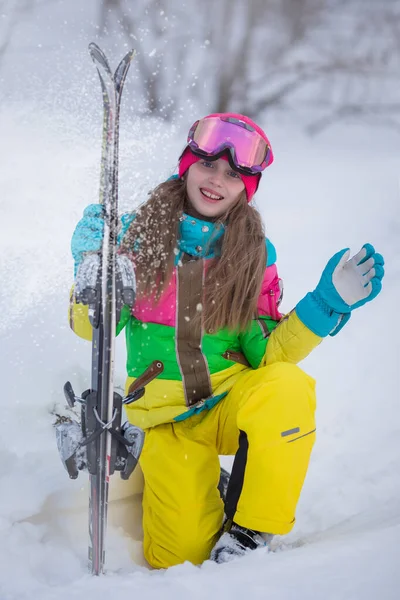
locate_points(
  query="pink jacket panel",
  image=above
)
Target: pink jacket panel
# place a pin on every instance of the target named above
(270, 295)
(165, 311)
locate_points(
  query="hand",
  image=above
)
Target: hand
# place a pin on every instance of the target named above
(88, 234)
(345, 284)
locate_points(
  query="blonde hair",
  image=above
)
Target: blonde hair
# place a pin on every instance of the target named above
(233, 281)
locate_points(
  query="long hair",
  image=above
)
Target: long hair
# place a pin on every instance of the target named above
(233, 281)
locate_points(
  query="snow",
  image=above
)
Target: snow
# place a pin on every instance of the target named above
(322, 194)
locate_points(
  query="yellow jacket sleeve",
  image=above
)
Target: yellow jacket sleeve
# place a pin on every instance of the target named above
(291, 341)
(79, 318)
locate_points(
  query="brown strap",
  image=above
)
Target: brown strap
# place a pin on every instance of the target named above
(189, 331)
(263, 326)
(237, 357)
(150, 373)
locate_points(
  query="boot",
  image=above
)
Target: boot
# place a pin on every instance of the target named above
(237, 541)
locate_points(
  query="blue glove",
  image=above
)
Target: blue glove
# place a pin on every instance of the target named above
(346, 284)
(88, 234)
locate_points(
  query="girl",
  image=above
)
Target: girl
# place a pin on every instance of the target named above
(226, 383)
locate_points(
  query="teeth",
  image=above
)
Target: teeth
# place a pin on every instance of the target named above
(212, 196)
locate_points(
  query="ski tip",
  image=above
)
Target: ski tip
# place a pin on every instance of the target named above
(131, 54)
(98, 56)
(122, 70)
(126, 61)
(95, 50)
(100, 59)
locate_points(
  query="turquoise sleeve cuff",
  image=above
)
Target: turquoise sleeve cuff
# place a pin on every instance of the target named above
(318, 317)
(125, 222)
(271, 252)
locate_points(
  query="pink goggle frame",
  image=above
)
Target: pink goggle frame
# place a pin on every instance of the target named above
(247, 150)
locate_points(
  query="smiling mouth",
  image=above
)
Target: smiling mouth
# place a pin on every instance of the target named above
(211, 196)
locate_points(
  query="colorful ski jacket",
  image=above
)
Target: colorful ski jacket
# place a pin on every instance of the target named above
(185, 369)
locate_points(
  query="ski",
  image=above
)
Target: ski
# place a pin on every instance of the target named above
(104, 323)
(99, 443)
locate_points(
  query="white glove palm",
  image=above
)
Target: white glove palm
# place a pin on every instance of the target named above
(347, 283)
(352, 278)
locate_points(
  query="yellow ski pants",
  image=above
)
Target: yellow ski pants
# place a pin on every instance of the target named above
(271, 410)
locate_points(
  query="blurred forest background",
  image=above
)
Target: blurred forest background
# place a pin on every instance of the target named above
(325, 61)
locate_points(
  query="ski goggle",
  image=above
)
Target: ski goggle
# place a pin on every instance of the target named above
(248, 152)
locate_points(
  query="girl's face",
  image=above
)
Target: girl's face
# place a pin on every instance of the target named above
(213, 187)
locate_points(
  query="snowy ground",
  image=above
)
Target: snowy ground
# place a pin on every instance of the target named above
(341, 189)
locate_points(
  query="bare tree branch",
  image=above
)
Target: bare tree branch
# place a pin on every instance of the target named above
(11, 12)
(254, 55)
(350, 111)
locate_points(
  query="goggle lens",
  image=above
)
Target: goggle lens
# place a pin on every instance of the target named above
(214, 134)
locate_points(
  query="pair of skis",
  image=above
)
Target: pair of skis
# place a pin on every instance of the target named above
(100, 443)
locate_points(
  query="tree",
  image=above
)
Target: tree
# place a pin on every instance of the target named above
(331, 56)
(328, 59)
(11, 12)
